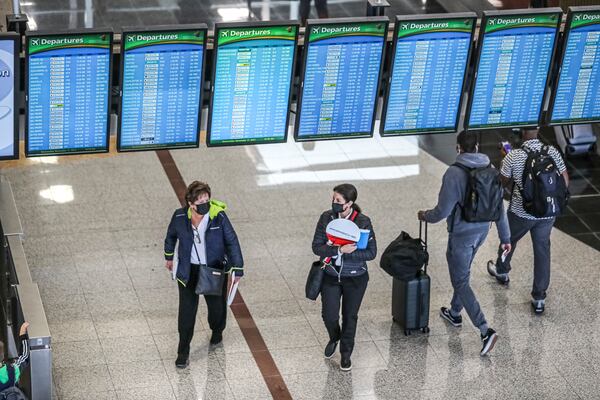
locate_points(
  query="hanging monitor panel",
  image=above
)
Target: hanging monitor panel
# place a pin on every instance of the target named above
(252, 83)
(68, 86)
(342, 68)
(515, 52)
(162, 73)
(9, 112)
(428, 74)
(577, 95)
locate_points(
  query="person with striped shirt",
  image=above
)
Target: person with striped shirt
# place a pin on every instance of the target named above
(11, 372)
(521, 222)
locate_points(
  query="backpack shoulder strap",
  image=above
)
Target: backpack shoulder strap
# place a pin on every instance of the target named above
(354, 215)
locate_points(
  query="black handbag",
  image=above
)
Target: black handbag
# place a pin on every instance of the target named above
(210, 280)
(406, 256)
(314, 281)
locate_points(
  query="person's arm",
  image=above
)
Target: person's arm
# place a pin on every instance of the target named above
(319, 243)
(24, 355)
(503, 228)
(560, 164)
(506, 170)
(170, 242)
(233, 248)
(450, 194)
(367, 254)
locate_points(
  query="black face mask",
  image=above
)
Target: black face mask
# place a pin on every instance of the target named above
(202, 208)
(337, 208)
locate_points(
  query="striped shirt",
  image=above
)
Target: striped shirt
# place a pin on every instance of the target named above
(513, 167)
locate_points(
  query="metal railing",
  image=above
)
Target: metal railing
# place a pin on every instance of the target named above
(20, 301)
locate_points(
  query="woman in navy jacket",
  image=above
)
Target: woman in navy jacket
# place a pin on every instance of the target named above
(205, 237)
(346, 275)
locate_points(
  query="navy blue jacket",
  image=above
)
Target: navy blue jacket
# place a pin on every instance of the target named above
(222, 246)
(353, 264)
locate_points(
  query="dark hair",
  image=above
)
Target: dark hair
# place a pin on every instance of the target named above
(196, 189)
(349, 193)
(467, 141)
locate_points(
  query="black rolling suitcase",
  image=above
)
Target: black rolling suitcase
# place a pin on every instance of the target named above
(410, 298)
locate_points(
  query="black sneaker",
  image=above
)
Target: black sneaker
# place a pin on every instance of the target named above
(216, 337)
(447, 315)
(538, 306)
(330, 348)
(346, 364)
(182, 361)
(489, 340)
(503, 279)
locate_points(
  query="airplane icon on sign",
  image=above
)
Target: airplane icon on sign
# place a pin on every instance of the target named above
(404, 26)
(577, 17)
(35, 42)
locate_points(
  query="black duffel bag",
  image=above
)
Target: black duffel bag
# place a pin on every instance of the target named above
(405, 257)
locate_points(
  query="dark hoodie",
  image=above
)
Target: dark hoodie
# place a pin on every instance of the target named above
(452, 193)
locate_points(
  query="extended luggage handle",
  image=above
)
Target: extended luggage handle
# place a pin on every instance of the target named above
(423, 238)
(421, 229)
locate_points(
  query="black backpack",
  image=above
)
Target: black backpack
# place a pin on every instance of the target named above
(12, 392)
(404, 257)
(544, 192)
(483, 198)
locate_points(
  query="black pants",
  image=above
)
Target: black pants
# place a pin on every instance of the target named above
(304, 11)
(188, 307)
(349, 292)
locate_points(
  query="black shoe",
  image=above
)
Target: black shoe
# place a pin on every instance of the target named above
(330, 348)
(346, 364)
(182, 361)
(216, 337)
(489, 340)
(503, 279)
(538, 306)
(447, 315)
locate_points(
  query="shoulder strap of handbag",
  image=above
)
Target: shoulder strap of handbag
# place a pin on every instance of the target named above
(352, 218)
(194, 243)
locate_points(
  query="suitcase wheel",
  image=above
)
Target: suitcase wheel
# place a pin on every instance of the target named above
(425, 330)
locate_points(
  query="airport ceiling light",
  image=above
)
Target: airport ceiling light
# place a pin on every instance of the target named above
(233, 13)
(58, 193)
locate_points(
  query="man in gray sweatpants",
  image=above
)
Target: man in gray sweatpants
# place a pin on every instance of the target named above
(464, 238)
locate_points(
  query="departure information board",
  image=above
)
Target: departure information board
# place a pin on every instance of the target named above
(68, 79)
(9, 57)
(162, 84)
(342, 67)
(577, 95)
(429, 65)
(515, 53)
(252, 80)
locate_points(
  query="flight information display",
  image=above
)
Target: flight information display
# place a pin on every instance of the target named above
(428, 73)
(577, 95)
(512, 73)
(68, 93)
(162, 86)
(252, 81)
(340, 79)
(9, 52)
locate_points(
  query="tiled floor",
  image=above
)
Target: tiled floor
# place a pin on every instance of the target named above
(72, 14)
(94, 230)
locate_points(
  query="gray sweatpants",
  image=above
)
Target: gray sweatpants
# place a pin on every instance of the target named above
(540, 237)
(460, 253)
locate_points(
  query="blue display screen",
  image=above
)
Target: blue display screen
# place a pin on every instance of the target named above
(512, 73)
(427, 77)
(341, 76)
(8, 146)
(162, 80)
(68, 93)
(252, 80)
(577, 97)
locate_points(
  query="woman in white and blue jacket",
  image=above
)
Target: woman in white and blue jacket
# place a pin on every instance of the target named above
(346, 275)
(206, 237)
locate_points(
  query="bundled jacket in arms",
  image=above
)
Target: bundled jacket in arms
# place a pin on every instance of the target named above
(222, 246)
(353, 264)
